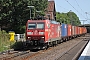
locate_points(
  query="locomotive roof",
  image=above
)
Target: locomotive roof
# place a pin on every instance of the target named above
(51, 21)
(54, 22)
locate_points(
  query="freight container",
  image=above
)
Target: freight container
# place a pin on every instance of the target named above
(80, 30)
(73, 30)
(63, 30)
(84, 30)
(69, 28)
(76, 30)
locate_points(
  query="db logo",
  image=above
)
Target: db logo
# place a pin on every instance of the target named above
(35, 32)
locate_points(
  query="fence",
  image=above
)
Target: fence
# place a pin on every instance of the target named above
(20, 37)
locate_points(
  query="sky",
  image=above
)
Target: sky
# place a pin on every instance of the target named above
(79, 7)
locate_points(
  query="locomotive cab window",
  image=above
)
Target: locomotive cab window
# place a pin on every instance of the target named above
(40, 25)
(31, 26)
(35, 25)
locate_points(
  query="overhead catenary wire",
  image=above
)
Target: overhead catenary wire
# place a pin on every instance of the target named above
(74, 8)
(81, 9)
(88, 20)
(79, 6)
(62, 7)
(88, 13)
(80, 12)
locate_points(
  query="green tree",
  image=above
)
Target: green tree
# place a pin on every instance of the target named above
(15, 13)
(68, 18)
(74, 19)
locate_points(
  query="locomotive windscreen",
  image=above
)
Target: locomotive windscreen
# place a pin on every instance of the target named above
(31, 25)
(39, 25)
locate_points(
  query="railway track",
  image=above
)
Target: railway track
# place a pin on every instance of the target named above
(31, 55)
(60, 52)
(12, 54)
(19, 55)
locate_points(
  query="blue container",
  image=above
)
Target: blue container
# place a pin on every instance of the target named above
(64, 30)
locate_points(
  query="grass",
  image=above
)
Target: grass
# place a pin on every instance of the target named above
(4, 41)
(6, 44)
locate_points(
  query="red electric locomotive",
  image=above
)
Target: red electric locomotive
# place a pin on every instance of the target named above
(42, 33)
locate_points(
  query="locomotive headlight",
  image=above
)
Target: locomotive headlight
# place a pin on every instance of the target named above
(42, 37)
(29, 33)
(41, 33)
(29, 37)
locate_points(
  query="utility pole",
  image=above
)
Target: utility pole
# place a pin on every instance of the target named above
(30, 10)
(83, 22)
(87, 13)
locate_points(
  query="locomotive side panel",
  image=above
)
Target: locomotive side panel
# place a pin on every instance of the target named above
(55, 32)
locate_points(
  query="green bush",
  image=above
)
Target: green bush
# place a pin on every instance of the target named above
(17, 45)
(4, 41)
